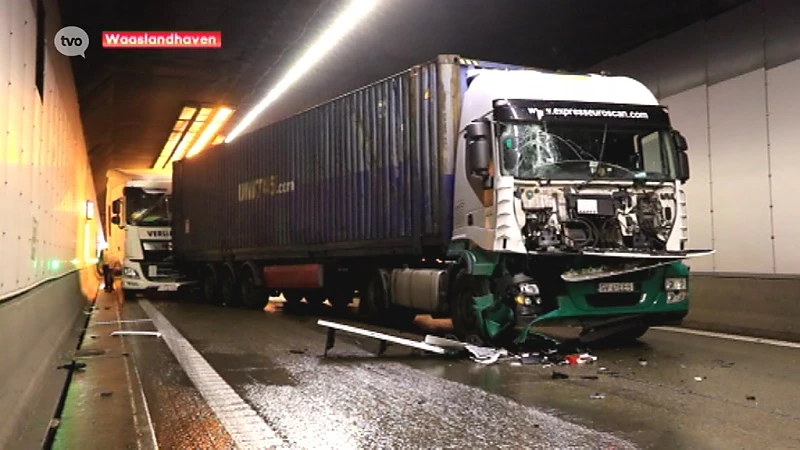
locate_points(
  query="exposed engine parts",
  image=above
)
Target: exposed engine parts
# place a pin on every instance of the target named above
(618, 218)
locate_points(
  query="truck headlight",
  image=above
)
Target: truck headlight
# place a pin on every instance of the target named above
(130, 272)
(675, 284)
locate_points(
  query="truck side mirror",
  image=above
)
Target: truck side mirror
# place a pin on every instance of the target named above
(479, 148)
(680, 142)
(683, 167)
(116, 206)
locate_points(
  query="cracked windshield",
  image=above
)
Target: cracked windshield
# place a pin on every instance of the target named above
(579, 152)
(147, 208)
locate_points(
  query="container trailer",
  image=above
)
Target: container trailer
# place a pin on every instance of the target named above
(501, 196)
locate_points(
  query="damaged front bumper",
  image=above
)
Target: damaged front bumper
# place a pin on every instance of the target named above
(657, 294)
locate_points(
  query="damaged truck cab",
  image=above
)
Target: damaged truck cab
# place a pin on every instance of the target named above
(568, 208)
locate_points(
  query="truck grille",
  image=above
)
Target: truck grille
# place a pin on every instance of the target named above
(160, 271)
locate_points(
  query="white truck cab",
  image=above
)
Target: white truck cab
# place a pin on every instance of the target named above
(139, 230)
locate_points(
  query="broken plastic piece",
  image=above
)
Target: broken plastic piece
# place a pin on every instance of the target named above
(699, 378)
(485, 355)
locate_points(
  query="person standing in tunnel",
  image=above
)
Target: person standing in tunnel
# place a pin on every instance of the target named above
(108, 274)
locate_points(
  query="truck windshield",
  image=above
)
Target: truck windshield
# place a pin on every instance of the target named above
(569, 151)
(147, 208)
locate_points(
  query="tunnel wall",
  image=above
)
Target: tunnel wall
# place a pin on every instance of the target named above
(48, 213)
(733, 88)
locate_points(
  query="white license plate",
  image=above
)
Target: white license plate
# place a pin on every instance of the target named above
(152, 271)
(168, 287)
(615, 287)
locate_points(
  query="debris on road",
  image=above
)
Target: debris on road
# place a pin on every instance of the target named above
(752, 398)
(590, 377)
(485, 355)
(106, 394)
(559, 376)
(297, 351)
(699, 378)
(597, 396)
(642, 362)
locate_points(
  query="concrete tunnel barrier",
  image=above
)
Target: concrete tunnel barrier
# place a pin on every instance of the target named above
(754, 306)
(38, 332)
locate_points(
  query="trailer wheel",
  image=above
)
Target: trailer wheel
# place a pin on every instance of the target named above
(210, 285)
(374, 297)
(231, 293)
(465, 321)
(252, 291)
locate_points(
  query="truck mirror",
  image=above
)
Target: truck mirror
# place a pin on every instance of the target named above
(680, 141)
(683, 167)
(115, 220)
(479, 148)
(116, 206)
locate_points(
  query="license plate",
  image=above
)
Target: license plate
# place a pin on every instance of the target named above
(152, 271)
(168, 287)
(615, 287)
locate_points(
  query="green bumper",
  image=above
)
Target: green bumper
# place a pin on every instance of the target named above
(575, 308)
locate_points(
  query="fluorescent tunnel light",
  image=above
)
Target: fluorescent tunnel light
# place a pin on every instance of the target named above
(352, 15)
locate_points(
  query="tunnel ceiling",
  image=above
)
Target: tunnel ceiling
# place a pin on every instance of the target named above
(130, 99)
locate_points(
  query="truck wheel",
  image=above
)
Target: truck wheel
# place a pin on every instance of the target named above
(253, 294)
(465, 321)
(231, 293)
(374, 297)
(210, 286)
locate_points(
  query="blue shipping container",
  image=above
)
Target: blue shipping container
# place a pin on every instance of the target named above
(370, 172)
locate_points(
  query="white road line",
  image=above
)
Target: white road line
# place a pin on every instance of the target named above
(732, 337)
(244, 425)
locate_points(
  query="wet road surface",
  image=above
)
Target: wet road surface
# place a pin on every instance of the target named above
(272, 360)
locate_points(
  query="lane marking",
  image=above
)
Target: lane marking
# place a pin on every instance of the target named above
(731, 337)
(245, 426)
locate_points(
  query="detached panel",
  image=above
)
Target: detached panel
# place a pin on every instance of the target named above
(740, 175)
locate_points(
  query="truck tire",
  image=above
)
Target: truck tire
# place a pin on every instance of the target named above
(374, 296)
(210, 286)
(465, 322)
(231, 292)
(253, 293)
